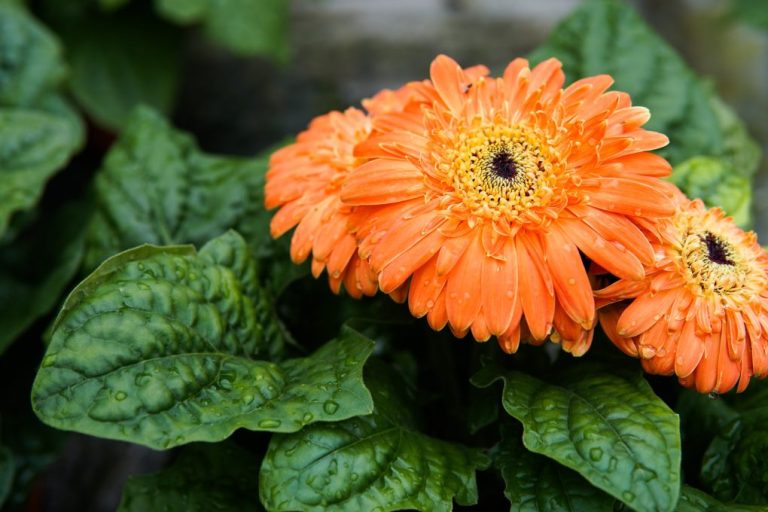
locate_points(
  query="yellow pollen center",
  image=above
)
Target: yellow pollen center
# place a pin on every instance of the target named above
(501, 171)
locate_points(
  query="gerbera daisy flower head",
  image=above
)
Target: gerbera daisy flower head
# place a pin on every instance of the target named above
(485, 198)
(304, 180)
(701, 312)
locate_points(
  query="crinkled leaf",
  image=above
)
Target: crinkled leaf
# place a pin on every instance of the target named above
(734, 466)
(203, 478)
(30, 57)
(33, 146)
(377, 462)
(194, 196)
(538, 484)
(161, 346)
(608, 36)
(715, 181)
(246, 27)
(693, 500)
(7, 469)
(608, 426)
(36, 267)
(121, 60)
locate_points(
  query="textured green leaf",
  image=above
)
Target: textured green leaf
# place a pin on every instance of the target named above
(36, 267)
(608, 36)
(33, 146)
(121, 60)
(734, 466)
(203, 478)
(377, 462)
(610, 427)
(246, 27)
(161, 346)
(7, 469)
(538, 484)
(693, 500)
(715, 181)
(30, 57)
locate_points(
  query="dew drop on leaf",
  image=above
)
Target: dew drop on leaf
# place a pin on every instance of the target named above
(596, 454)
(330, 407)
(49, 360)
(269, 423)
(120, 396)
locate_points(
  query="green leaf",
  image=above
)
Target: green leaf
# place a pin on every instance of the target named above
(36, 267)
(121, 60)
(246, 27)
(716, 182)
(33, 146)
(30, 56)
(752, 12)
(377, 462)
(608, 36)
(608, 426)
(203, 478)
(693, 500)
(537, 484)
(161, 346)
(7, 469)
(38, 131)
(734, 466)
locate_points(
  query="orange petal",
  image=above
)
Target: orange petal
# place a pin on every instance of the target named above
(644, 311)
(449, 80)
(499, 285)
(438, 316)
(690, 349)
(463, 286)
(537, 295)
(628, 197)
(616, 228)
(426, 285)
(398, 270)
(574, 292)
(611, 256)
(609, 317)
(382, 181)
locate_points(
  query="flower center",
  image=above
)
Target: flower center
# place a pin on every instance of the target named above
(713, 263)
(719, 250)
(501, 171)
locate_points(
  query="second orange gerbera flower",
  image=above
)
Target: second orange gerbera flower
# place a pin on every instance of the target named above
(486, 197)
(702, 310)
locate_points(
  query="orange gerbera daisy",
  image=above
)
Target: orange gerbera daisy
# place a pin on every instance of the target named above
(701, 312)
(304, 179)
(485, 197)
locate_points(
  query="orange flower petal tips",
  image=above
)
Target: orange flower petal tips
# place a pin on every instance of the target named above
(487, 195)
(701, 312)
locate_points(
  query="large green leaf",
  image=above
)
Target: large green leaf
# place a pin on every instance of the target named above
(162, 345)
(538, 484)
(7, 469)
(608, 426)
(715, 181)
(734, 466)
(203, 478)
(36, 267)
(120, 60)
(608, 36)
(246, 27)
(377, 462)
(194, 196)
